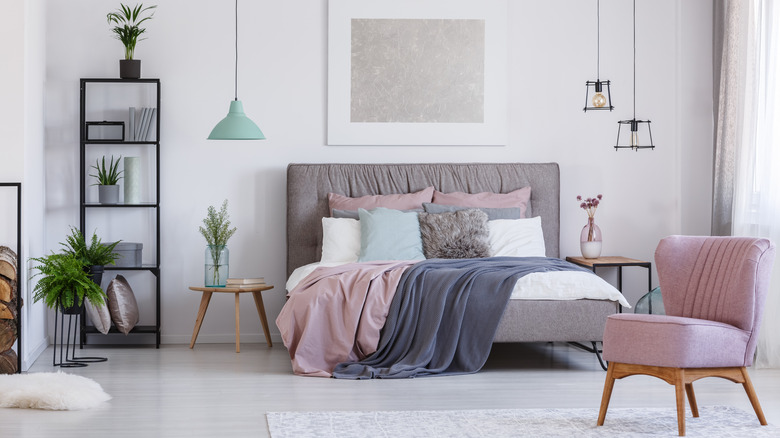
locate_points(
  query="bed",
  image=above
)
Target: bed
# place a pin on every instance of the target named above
(308, 186)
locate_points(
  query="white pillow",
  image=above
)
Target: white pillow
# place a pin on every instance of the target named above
(516, 237)
(340, 240)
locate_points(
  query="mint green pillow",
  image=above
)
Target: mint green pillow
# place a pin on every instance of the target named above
(387, 234)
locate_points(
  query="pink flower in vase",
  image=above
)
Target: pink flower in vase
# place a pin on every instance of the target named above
(590, 238)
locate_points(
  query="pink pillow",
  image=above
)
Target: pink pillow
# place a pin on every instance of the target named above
(407, 201)
(518, 198)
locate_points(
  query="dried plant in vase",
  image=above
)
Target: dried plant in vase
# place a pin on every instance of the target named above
(590, 238)
(216, 229)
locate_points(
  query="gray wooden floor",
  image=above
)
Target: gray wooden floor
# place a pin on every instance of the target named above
(212, 391)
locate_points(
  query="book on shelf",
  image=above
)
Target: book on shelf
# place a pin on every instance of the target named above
(131, 125)
(245, 281)
(143, 124)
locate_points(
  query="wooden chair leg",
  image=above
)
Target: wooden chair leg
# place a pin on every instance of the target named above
(692, 399)
(679, 390)
(751, 393)
(609, 383)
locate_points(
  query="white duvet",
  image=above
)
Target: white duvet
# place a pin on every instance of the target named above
(558, 285)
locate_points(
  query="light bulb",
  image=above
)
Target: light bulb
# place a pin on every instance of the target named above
(599, 100)
(634, 139)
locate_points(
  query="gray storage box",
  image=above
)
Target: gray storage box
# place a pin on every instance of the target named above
(129, 254)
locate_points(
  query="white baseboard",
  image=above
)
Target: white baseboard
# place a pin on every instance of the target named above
(225, 338)
(32, 354)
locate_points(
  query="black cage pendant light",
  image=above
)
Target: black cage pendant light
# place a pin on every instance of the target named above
(634, 136)
(599, 101)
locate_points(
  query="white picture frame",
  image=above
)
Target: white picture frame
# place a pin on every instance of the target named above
(485, 120)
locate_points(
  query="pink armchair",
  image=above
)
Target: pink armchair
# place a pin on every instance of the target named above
(714, 289)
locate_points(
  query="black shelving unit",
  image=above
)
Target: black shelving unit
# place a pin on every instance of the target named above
(86, 207)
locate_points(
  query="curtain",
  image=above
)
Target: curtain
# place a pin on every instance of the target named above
(747, 146)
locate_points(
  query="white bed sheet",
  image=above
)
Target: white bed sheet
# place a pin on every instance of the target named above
(558, 285)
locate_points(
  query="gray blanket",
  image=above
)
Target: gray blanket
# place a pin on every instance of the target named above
(444, 316)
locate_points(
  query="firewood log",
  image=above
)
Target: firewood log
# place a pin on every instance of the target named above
(7, 312)
(8, 266)
(8, 334)
(7, 289)
(8, 362)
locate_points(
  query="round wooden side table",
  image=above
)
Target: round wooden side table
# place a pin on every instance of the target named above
(204, 305)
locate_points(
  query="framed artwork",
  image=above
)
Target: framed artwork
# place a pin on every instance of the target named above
(417, 72)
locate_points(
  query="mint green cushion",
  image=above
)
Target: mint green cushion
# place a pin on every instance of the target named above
(387, 234)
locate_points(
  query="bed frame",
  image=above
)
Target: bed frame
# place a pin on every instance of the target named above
(308, 186)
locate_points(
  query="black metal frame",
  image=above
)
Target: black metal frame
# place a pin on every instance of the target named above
(634, 127)
(84, 206)
(594, 349)
(620, 266)
(598, 87)
(19, 300)
(105, 123)
(70, 361)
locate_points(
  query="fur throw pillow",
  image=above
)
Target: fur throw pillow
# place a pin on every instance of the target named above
(459, 234)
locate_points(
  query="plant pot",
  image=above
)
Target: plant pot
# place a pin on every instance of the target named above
(96, 274)
(129, 68)
(108, 194)
(75, 309)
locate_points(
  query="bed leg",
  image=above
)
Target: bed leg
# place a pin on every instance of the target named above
(594, 349)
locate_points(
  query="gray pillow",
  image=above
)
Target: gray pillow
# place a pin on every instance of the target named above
(353, 214)
(461, 234)
(122, 304)
(493, 213)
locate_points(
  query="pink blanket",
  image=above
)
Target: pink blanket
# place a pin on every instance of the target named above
(335, 314)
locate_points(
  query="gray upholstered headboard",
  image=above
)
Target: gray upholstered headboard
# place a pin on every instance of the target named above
(308, 186)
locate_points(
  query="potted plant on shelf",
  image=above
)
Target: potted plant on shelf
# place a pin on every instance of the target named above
(127, 22)
(108, 179)
(217, 231)
(94, 256)
(65, 283)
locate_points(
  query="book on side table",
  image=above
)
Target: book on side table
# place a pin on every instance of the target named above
(245, 282)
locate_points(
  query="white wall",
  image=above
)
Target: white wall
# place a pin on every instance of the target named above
(283, 83)
(21, 150)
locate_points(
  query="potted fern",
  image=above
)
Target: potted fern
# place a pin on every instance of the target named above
(108, 180)
(65, 283)
(127, 28)
(216, 229)
(94, 256)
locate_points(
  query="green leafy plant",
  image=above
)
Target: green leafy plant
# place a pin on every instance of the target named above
(94, 254)
(65, 281)
(127, 23)
(216, 229)
(107, 175)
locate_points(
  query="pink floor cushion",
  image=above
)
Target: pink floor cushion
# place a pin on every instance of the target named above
(673, 341)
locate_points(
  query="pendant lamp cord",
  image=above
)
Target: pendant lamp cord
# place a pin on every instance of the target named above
(236, 70)
(598, 39)
(634, 59)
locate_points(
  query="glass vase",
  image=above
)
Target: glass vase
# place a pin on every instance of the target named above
(216, 266)
(590, 240)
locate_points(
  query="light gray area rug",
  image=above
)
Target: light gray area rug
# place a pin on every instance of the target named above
(714, 421)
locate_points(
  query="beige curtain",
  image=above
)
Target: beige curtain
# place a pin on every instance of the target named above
(729, 60)
(746, 183)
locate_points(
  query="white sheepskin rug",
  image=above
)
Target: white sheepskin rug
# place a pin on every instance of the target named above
(51, 391)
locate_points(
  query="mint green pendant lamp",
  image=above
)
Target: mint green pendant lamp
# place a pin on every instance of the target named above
(236, 125)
